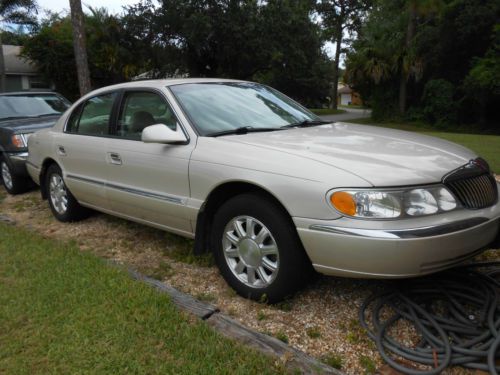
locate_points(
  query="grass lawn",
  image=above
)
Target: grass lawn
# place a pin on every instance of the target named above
(487, 146)
(326, 111)
(353, 106)
(64, 311)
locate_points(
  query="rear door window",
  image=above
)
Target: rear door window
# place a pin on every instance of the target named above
(93, 118)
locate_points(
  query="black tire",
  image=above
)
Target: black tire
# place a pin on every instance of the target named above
(16, 184)
(72, 210)
(294, 267)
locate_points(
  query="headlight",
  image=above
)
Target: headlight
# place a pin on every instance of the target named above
(20, 140)
(392, 204)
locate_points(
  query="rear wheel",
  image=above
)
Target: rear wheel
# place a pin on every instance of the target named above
(62, 203)
(257, 249)
(13, 183)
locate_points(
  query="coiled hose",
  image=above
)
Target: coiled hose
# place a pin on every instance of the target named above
(456, 315)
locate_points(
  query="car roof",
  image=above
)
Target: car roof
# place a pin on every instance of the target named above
(161, 83)
(20, 93)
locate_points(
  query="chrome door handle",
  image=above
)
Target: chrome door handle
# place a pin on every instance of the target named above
(61, 151)
(115, 158)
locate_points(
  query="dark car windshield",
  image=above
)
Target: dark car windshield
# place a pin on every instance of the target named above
(31, 105)
(225, 106)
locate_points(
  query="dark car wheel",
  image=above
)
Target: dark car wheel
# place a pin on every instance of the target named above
(257, 249)
(13, 183)
(62, 203)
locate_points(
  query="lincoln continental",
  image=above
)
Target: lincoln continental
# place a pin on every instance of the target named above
(266, 186)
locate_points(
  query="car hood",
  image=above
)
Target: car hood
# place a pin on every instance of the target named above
(381, 156)
(29, 124)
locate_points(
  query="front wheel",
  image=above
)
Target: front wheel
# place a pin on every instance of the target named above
(62, 203)
(257, 249)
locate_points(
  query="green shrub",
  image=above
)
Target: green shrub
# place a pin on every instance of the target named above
(438, 105)
(384, 103)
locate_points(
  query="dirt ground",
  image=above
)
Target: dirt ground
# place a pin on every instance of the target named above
(320, 320)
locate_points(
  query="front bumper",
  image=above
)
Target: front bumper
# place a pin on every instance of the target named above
(338, 249)
(17, 161)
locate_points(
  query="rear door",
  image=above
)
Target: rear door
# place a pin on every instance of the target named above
(81, 149)
(148, 181)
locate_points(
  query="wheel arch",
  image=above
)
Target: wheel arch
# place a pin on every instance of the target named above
(220, 194)
(43, 171)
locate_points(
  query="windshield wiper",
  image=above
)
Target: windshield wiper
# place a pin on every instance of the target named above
(48, 114)
(306, 123)
(11, 118)
(241, 130)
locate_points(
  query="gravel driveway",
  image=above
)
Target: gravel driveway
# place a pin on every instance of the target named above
(320, 320)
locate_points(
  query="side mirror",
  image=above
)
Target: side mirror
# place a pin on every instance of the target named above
(160, 133)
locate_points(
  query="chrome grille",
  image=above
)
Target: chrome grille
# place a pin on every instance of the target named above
(475, 191)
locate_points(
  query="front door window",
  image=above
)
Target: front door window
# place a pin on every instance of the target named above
(142, 109)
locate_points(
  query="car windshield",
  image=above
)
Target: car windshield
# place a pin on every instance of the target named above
(226, 106)
(31, 105)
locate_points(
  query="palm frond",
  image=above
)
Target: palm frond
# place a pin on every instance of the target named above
(18, 11)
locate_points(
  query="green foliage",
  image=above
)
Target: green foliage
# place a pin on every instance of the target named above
(333, 360)
(21, 12)
(206, 297)
(274, 42)
(326, 111)
(64, 311)
(261, 315)
(383, 102)
(368, 364)
(438, 104)
(280, 335)
(452, 41)
(181, 250)
(162, 271)
(15, 37)
(482, 84)
(314, 332)
(52, 51)
(293, 61)
(111, 55)
(286, 306)
(340, 22)
(485, 74)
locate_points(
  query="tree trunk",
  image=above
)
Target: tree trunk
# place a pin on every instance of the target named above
(79, 44)
(2, 67)
(402, 92)
(410, 33)
(338, 47)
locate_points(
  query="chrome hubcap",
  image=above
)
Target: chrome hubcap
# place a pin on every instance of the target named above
(250, 251)
(6, 176)
(58, 194)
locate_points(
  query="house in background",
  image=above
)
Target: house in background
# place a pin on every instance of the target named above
(347, 96)
(20, 74)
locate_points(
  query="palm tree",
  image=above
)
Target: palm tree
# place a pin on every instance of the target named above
(14, 11)
(79, 44)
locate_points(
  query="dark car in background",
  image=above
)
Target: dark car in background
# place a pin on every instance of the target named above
(21, 114)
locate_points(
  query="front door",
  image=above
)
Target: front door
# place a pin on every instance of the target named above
(148, 181)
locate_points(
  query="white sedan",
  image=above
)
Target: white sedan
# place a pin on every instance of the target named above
(269, 188)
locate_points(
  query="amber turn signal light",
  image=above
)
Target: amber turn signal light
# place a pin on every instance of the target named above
(343, 202)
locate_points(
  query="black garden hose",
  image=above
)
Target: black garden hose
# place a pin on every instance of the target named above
(456, 315)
